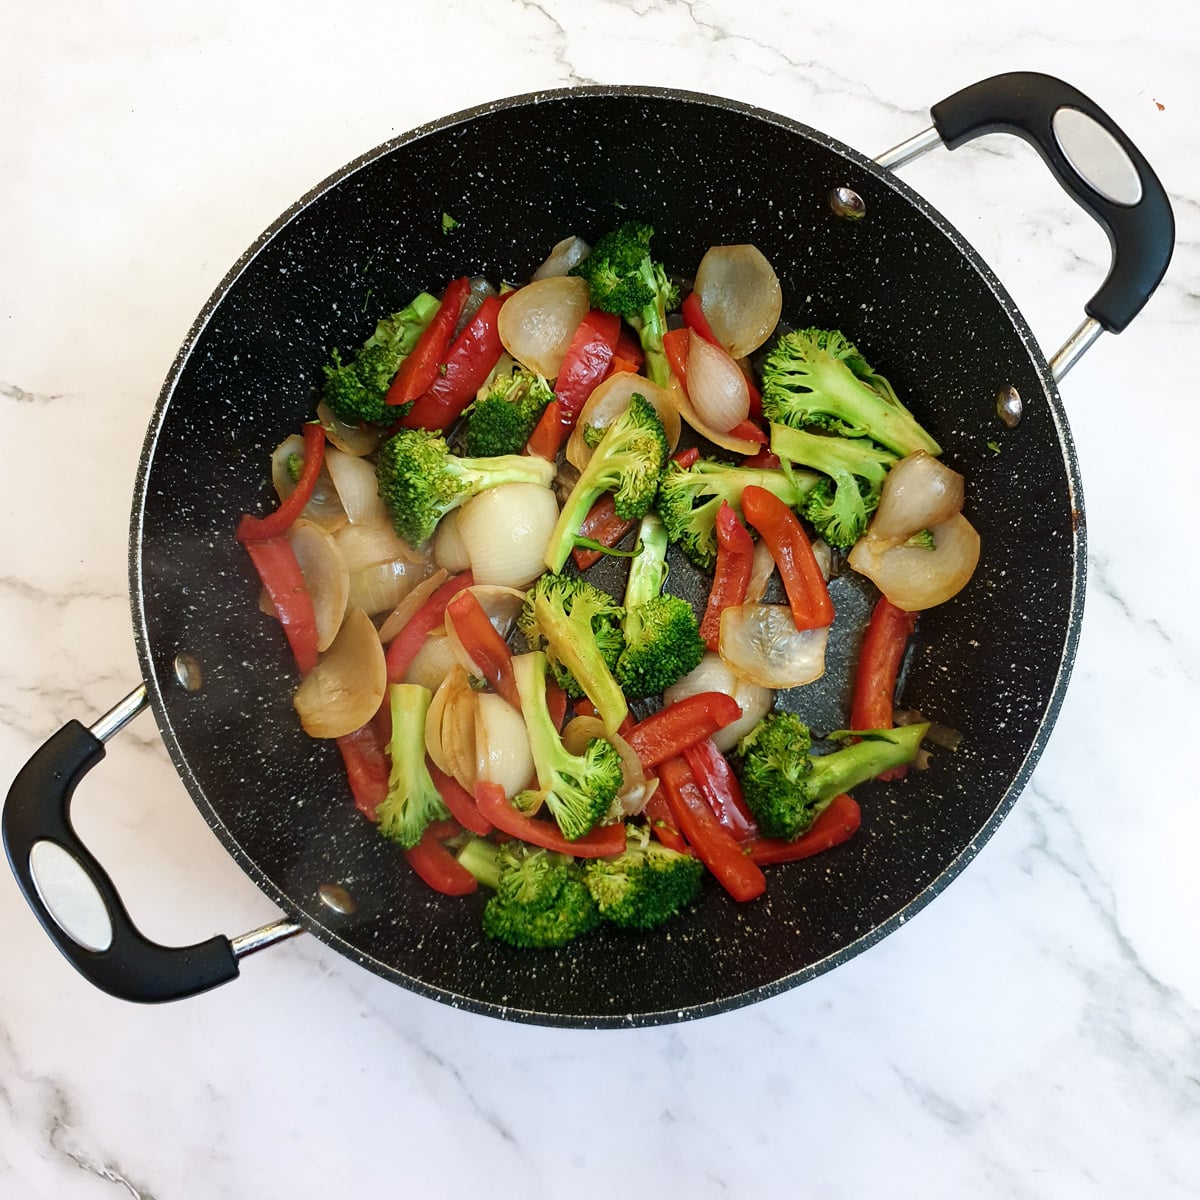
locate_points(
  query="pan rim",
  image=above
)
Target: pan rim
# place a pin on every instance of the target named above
(318, 923)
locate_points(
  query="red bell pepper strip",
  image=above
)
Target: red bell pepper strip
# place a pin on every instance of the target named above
(675, 346)
(731, 576)
(484, 646)
(711, 842)
(459, 801)
(662, 821)
(670, 731)
(418, 371)
(806, 590)
(404, 646)
(587, 361)
(601, 842)
(548, 433)
(712, 772)
(601, 525)
(763, 460)
(628, 352)
(836, 824)
(436, 865)
(468, 363)
(367, 767)
(686, 458)
(257, 529)
(878, 666)
(697, 322)
(278, 568)
(556, 702)
(748, 431)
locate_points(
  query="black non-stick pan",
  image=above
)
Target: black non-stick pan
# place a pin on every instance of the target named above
(854, 249)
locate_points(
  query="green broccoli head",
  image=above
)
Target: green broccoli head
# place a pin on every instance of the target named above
(540, 901)
(787, 788)
(412, 800)
(420, 480)
(356, 391)
(646, 885)
(816, 377)
(502, 421)
(627, 461)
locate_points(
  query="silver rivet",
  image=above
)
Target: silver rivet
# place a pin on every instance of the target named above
(847, 203)
(1009, 406)
(336, 897)
(187, 671)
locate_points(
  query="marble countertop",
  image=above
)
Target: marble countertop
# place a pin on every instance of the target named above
(1033, 1033)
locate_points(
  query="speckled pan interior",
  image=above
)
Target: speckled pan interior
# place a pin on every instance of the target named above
(518, 176)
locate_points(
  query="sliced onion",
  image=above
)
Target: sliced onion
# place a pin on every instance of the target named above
(366, 545)
(433, 723)
(538, 321)
(761, 643)
(403, 611)
(379, 588)
(346, 687)
(458, 728)
(920, 491)
(326, 576)
(568, 253)
(687, 411)
(357, 488)
(913, 578)
(740, 294)
(355, 440)
(823, 553)
(761, 570)
(502, 753)
(611, 398)
(324, 507)
(506, 531)
(716, 386)
(714, 675)
(501, 605)
(481, 288)
(432, 663)
(448, 548)
(634, 792)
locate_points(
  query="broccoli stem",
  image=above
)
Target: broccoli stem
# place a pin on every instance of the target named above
(648, 570)
(481, 858)
(879, 751)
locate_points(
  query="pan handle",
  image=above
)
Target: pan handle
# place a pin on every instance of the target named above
(72, 895)
(1093, 160)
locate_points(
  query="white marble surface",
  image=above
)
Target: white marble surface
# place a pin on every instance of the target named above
(1034, 1033)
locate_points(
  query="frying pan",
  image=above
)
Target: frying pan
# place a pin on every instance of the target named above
(855, 249)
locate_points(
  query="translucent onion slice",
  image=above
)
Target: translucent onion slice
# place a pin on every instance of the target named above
(432, 663)
(458, 728)
(403, 611)
(502, 753)
(324, 507)
(433, 722)
(355, 440)
(761, 570)
(611, 398)
(914, 578)
(346, 687)
(357, 488)
(716, 386)
(481, 288)
(366, 545)
(741, 297)
(920, 491)
(568, 253)
(538, 321)
(713, 675)
(448, 548)
(760, 642)
(506, 531)
(687, 411)
(379, 588)
(325, 574)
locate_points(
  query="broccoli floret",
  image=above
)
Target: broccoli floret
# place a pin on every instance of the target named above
(420, 481)
(816, 377)
(841, 504)
(787, 788)
(412, 800)
(646, 885)
(662, 635)
(690, 497)
(502, 421)
(356, 391)
(579, 628)
(578, 789)
(627, 461)
(622, 278)
(295, 467)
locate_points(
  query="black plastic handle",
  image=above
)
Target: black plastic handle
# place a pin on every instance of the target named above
(132, 967)
(1142, 234)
